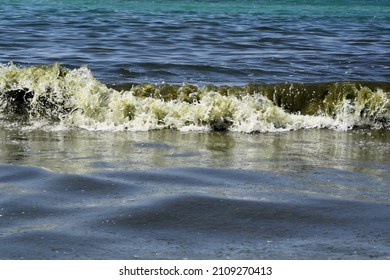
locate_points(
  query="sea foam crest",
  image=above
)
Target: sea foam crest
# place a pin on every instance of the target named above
(53, 96)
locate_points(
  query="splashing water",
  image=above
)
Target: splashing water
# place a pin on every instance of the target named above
(51, 96)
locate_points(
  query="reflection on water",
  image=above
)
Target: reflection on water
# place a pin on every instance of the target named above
(295, 151)
(171, 195)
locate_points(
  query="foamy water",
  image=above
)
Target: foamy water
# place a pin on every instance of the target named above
(75, 99)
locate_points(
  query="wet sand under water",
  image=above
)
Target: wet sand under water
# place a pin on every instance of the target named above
(310, 194)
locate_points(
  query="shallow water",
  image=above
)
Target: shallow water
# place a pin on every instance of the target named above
(313, 194)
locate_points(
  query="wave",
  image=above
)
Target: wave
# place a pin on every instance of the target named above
(51, 96)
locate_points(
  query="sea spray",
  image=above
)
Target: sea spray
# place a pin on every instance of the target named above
(52, 95)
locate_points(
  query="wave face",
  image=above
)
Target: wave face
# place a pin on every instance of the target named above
(51, 96)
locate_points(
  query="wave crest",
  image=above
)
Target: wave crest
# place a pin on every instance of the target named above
(51, 95)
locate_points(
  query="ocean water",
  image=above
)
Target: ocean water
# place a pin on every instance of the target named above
(173, 129)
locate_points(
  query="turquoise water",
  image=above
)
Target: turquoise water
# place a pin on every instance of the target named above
(194, 130)
(220, 42)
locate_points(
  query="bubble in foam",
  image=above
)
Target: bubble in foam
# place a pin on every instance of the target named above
(53, 96)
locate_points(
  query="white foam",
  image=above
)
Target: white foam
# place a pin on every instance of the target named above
(75, 99)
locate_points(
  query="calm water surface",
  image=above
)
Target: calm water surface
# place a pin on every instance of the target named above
(314, 194)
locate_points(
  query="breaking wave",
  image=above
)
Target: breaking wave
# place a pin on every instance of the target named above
(51, 96)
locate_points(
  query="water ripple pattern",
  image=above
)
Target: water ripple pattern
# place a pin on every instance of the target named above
(200, 42)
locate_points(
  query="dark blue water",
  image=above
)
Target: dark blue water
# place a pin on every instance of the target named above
(233, 42)
(71, 193)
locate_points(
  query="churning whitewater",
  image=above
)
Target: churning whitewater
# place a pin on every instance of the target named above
(51, 96)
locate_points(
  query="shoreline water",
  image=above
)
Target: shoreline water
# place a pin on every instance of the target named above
(310, 194)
